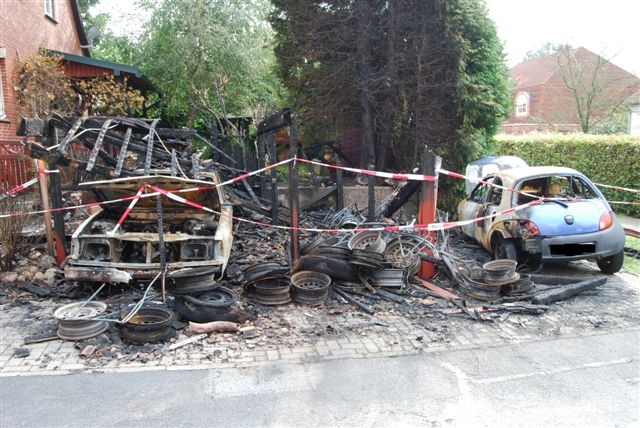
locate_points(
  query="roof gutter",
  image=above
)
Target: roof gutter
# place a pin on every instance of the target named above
(77, 18)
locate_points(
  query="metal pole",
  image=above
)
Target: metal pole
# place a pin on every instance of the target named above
(293, 189)
(428, 203)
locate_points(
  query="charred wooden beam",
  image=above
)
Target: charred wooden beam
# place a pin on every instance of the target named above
(556, 294)
(30, 127)
(149, 154)
(123, 152)
(397, 198)
(98, 144)
(353, 301)
(276, 121)
(72, 132)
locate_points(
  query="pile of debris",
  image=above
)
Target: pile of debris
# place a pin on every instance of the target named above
(372, 270)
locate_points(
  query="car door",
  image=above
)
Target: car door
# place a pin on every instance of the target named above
(491, 206)
(473, 206)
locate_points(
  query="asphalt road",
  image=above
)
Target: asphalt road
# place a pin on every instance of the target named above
(578, 381)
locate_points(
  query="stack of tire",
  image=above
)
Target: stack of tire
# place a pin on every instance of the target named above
(199, 298)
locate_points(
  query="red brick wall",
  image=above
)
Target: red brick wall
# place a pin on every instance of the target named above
(23, 29)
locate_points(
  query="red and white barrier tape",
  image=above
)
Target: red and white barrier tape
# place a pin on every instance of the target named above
(415, 227)
(626, 189)
(127, 211)
(417, 177)
(27, 184)
(18, 189)
(624, 203)
(233, 180)
(475, 180)
(171, 194)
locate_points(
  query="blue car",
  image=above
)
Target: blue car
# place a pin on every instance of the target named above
(573, 221)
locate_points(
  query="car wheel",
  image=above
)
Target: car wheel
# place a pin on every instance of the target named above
(505, 249)
(611, 264)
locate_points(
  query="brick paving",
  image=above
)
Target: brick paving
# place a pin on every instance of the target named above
(317, 334)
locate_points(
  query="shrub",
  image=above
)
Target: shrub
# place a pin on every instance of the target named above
(605, 159)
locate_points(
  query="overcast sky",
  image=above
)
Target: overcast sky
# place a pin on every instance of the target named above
(610, 28)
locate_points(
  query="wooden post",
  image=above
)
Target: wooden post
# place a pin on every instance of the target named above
(271, 137)
(428, 203)
(339, 187)
(371, 216)
(58, 216)
(44, 196)
(262, 162)
(293, 190)
(214, 142)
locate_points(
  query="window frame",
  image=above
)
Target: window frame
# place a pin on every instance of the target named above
(49, 9)
(522, 100)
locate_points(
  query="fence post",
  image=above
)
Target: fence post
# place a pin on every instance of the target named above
(428, 203)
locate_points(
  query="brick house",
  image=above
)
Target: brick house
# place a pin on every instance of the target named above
(56, 25)
(542, 101)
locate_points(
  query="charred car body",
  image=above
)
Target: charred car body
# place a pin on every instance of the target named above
(573, 222)
(102, 251)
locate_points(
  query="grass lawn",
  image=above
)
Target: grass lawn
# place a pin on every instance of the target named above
(630, 263)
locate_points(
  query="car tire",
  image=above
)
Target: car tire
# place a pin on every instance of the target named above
(611, 264)
(505, 249)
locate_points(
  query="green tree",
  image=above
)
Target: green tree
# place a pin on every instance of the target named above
(209, 58)
(405, 72)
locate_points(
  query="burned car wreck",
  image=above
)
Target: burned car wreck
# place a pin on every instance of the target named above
(104, 251)
(572, 222)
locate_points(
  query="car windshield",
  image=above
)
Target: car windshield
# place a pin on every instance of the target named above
(559, 187)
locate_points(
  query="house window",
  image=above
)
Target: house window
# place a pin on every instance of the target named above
(522, 104)
(48, 8)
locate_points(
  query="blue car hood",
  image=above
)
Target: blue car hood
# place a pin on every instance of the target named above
(550, 217)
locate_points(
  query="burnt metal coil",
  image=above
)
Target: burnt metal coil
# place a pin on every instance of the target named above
(500, 271)
(310, 288)
(270, 291)
(402, 254)
(151, 324)
(348, 286)
(334, 252)
(524, 285)
(480, 290)
(390, 278)
(263, 270)
(312, 247)
(367, 240)
(75, 320)
(366, 259)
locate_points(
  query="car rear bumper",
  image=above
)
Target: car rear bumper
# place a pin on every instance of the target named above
(577, 247)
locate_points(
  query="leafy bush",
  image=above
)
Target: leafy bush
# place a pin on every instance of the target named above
(605, 159)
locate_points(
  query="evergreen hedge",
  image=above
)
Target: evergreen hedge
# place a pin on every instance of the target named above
(606, 159)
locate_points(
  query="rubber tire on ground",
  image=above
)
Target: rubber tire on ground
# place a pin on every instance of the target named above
(505, 249)
(611, 264)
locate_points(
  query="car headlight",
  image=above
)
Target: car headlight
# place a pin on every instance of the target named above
(606, 220)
